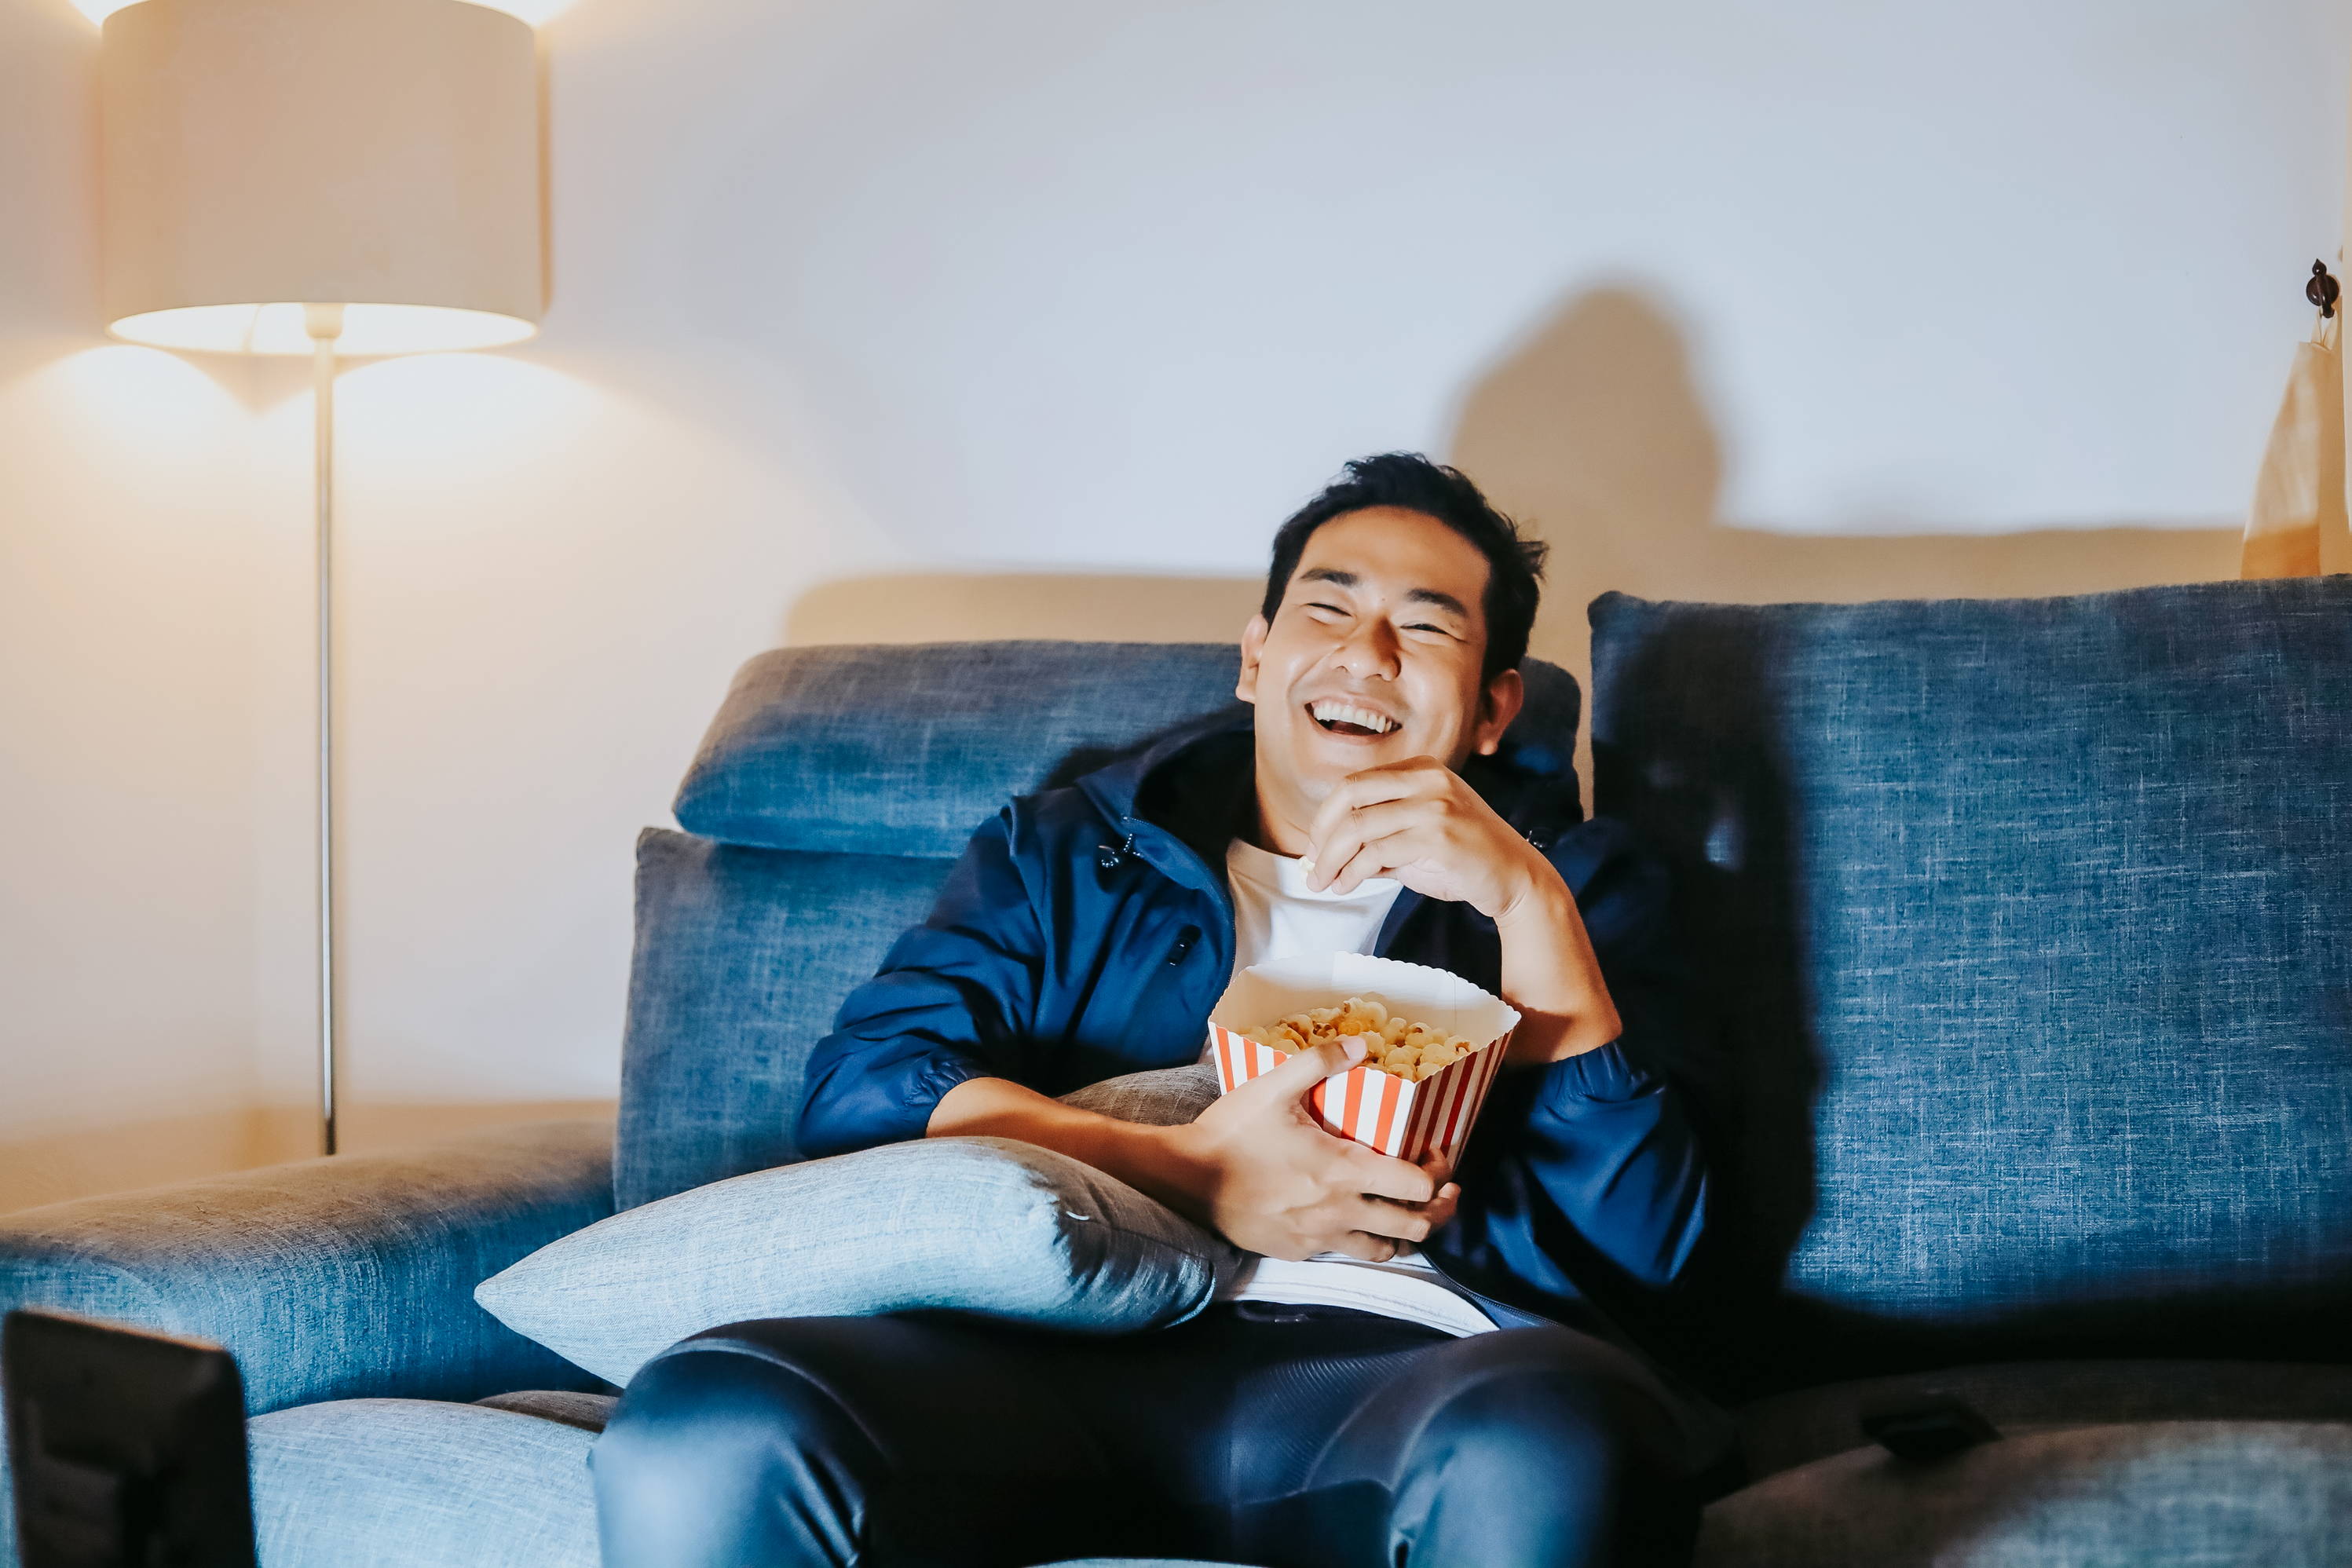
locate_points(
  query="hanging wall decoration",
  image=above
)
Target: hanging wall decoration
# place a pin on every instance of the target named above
(2299, 494)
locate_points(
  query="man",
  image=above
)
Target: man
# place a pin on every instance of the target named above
(1420, 1372)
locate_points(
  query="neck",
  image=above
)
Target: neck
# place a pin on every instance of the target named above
(1272, 828)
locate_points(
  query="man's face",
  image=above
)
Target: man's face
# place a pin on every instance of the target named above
(1373, 657)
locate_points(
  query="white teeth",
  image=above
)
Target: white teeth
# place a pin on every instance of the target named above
(1331, 712)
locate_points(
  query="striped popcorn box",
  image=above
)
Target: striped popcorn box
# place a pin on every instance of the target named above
(1395, 1115)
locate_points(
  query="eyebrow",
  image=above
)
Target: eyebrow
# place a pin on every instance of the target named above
(1412, 596)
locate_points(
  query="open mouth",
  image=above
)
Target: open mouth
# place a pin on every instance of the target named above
(1337, 718)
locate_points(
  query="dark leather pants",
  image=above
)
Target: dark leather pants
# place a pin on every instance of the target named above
(1281, 1437)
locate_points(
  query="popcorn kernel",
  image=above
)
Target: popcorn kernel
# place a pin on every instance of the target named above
(1392, 1043)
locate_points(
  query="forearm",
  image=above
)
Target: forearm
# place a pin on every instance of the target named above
(1551, 974)
(1155, 1161)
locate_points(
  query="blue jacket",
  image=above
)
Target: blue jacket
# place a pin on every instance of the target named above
(1089, 930)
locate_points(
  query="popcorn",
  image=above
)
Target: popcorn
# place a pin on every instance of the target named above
(1393, 1043)
(1420, 1086)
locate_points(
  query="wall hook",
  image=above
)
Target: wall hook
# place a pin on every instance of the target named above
(2323, 289)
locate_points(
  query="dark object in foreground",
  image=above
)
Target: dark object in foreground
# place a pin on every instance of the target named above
(1927, 1428)
(127, 1448)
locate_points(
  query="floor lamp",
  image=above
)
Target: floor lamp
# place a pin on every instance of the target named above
(336, 178)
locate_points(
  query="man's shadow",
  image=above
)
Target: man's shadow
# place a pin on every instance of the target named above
(1593, 432)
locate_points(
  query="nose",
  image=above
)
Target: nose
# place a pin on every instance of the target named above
(1369, 650)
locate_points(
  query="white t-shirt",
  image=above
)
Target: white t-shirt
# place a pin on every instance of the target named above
(1275, 916)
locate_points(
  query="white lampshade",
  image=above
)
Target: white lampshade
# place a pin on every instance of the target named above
(262, 154)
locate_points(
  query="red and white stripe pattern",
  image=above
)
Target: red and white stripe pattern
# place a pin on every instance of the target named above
(1379, 1109)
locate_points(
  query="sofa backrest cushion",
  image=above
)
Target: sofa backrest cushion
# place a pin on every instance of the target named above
(742, 955)
(826, 805)
(904, 751)
(2030, 925)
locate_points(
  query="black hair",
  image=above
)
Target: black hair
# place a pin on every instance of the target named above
(1413, 483)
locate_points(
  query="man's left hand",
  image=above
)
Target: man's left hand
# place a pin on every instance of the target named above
(1418, 821)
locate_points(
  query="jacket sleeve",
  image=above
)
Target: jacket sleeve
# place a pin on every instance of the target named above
(1583, 1180)
(954, 1000)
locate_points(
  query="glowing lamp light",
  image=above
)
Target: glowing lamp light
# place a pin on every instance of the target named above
(535, 12)
(368, 330)
(259, 155)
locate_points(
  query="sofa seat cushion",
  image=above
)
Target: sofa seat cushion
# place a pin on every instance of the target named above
(415, 1483)
(1791, 1429)
(2169, 1493)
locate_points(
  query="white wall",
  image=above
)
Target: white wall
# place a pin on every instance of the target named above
(127, 901)
(907, 320)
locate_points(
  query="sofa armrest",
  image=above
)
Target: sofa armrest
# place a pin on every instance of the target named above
(331, 1279)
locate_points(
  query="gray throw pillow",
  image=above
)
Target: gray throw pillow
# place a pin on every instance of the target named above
(981, 1225)
(1169, 1097)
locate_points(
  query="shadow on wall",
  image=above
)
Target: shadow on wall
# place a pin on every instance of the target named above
(1595, 433)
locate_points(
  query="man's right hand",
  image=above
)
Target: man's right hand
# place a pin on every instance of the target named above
(1269, 1176)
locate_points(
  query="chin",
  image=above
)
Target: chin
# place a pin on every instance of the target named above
(1314, 787)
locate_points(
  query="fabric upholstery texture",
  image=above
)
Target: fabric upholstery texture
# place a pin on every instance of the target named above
(1786, 1431)
(589, 1412)
(2025, 922)
(980, 1225)
(1168, 1097)
(2187, 1494)
(742, 955)
(903, 750)
(413, 1483)
(326, 1278)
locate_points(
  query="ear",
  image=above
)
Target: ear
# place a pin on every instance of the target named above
(1253, 644)
(1504, 696)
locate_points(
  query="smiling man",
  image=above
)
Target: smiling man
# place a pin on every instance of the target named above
(1422, 1367)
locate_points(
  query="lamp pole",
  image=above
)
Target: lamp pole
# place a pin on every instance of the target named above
(325, 325)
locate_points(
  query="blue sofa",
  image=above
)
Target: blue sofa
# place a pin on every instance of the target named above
(2025, 932)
